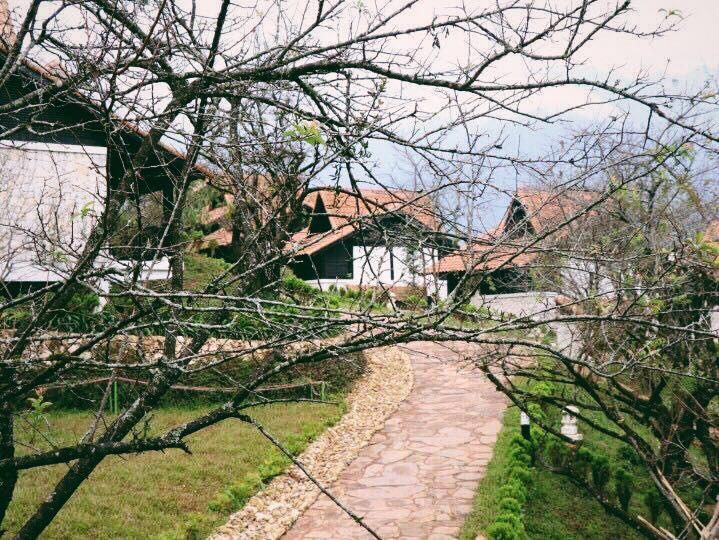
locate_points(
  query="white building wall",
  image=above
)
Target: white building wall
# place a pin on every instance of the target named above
(50, 197)
(371, 267)
(584, 278)
(537, 305)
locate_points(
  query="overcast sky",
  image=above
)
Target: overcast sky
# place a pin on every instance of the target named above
(686, 58)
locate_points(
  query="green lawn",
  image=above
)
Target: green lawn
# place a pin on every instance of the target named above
(556, 509)
(141, 496)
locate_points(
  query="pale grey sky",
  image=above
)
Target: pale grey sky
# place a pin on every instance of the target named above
(685, 58)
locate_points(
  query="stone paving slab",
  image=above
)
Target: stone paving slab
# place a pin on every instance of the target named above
(418, 475)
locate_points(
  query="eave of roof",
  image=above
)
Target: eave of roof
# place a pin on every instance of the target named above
(52, 77)
(347, 211)
(483, 258)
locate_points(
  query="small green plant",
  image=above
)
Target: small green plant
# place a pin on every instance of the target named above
(513, 490)
(415, 301)
(307, 131)
(522, 473)
(624, 483)
(37, 417)
(536, 412)
(273, 466)
(509, 504)
(513, 494)
(582, 463)
(558, 453)
(514, 519)
(627, 454)
(601, 472)
(520, 455)
(292, 284)
(501, 530)
(654, 503)
(38, 406)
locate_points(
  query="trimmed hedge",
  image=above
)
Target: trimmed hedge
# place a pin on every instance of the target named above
(597, 470)
(509, 524)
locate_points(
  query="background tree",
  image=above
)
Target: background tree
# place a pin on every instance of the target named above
(640, 283)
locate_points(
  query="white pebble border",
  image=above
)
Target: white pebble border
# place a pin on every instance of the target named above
(376, 395)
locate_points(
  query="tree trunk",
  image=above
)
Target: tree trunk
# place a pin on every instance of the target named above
(8, 475)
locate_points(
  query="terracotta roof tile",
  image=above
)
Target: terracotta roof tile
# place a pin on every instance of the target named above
(303, 243)
(346, 211)
(547, 208)
(343, 207)
(220, 237)
(482, 257)
(544, 209)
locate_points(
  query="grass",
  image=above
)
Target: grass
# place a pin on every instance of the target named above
(555, 509)
(141, 496)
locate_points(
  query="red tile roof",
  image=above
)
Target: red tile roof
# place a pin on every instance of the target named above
(347, 210)
(343, 207)
(483, 257)
(544, 209)
(548, 208)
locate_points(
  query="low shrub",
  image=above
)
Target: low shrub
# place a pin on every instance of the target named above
(601, 472)
(501, 530)
(521, 473)
(509, 524)
(654, 503)
(291, 284)
(558, 453)
(513, 518)
(81, 314)
(509, 504)
(520, 455)
(513, 490)
(413, 301)
(472, 313)
(582, 463)
(624, 484)
(627, 454)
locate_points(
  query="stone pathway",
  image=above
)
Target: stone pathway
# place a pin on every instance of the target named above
(418, 475)
(387, 381)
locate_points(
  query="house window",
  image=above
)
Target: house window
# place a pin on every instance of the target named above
(391, 264)
(336, 262)
(320, 221)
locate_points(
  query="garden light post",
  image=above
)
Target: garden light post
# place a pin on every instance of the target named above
(524, 424)
(569, 423)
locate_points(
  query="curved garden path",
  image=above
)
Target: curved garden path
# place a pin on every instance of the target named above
(417, 476)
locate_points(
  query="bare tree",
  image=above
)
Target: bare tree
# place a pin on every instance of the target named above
(265, 102)
(634, 349)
